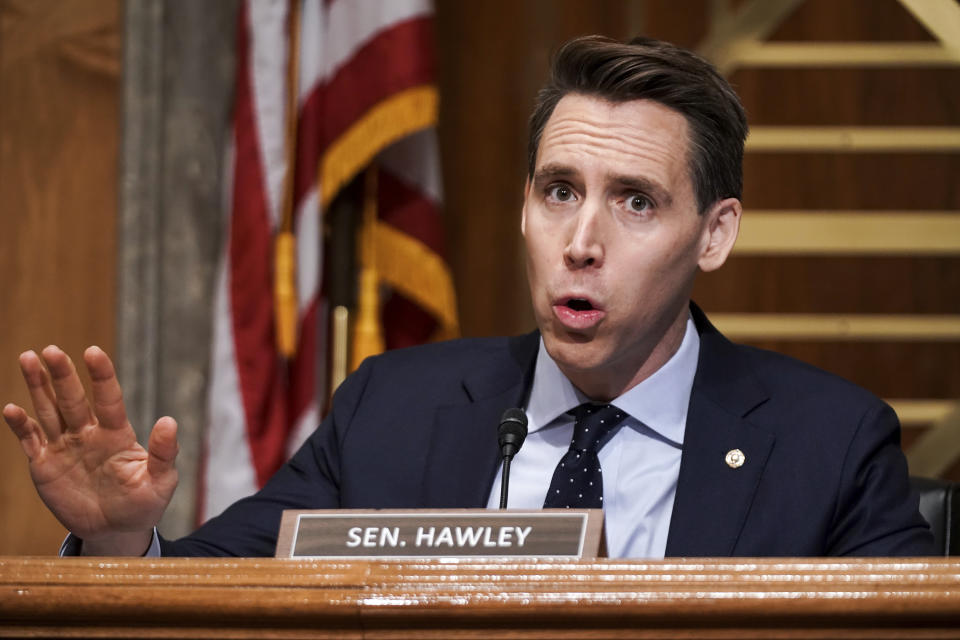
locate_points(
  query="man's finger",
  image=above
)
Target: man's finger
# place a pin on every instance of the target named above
(70, 394)
(162, 448)
(41, 395)
(107, 394)
(26, 429)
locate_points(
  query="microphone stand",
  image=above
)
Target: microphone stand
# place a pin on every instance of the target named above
(504, 481)
(512, 432)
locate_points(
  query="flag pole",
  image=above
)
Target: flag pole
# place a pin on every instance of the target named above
(285, 243)
(341, 221)
(367, 332)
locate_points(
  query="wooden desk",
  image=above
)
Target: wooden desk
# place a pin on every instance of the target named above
(258, 598)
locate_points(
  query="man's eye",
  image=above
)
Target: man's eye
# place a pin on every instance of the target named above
(638, 203)
(560, 193)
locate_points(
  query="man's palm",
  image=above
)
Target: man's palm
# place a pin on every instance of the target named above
(85, 460)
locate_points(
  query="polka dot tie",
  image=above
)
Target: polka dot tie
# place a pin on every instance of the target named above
(578, 481)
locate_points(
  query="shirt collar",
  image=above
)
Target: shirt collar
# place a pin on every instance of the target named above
(660, 402)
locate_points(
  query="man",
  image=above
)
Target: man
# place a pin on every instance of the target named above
(699, 446)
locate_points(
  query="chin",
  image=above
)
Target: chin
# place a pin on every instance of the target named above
(575, 352)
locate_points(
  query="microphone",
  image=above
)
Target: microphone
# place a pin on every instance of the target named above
(512, 432)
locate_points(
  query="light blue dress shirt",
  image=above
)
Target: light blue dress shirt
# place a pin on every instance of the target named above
(640, 461)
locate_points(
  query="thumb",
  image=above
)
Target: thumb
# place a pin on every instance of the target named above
(162, 447)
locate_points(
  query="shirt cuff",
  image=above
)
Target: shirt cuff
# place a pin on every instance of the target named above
(72, 546)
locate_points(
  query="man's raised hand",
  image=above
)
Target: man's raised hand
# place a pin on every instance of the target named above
(85, 460)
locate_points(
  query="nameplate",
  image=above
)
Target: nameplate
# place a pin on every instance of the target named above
(448, 533)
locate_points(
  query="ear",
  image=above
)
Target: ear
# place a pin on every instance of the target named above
(523, 211)
(721, 229)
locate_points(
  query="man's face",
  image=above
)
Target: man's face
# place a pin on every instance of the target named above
(614, 239)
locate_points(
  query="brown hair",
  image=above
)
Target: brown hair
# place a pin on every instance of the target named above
(649, 69)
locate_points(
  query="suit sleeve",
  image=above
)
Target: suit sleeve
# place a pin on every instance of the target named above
(877, 513)
(310, 480)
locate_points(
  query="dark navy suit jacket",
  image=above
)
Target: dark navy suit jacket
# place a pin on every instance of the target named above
(823, 472)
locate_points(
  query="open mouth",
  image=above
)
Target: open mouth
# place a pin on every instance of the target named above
(579, 304)
(578, 314)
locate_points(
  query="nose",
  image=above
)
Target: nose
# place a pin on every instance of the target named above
(585, 245)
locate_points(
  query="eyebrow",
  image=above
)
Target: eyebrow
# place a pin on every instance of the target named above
(661, 195)
(555, 171)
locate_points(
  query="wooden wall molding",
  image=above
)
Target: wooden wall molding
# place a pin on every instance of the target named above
(736, 39)
(940, 17)
(853, 139)
(921, 412)
(844, 54)
(858, 232)
(830, 326)
(935, 451)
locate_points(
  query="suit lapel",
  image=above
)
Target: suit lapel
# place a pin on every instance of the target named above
(464, 455)
(713, 497)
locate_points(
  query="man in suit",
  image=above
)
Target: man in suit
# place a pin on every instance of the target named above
(706, 448)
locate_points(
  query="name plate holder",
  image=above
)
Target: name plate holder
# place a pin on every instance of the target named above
(404, 534)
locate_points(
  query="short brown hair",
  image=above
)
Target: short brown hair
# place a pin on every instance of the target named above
(647, 69)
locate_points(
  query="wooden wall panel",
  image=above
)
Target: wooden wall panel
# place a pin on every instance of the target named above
(888, 369)
(833, 284)
(493, 57)
(851, 21)
(903, 181)
(844, 96)
(59, 80)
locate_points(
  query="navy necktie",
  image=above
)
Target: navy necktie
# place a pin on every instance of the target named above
(578, 481)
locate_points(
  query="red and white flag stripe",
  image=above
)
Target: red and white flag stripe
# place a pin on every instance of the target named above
(354, 55)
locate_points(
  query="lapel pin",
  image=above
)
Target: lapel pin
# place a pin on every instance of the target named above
(735, 458)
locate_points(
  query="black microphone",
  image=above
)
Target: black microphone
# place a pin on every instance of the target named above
(512, 432)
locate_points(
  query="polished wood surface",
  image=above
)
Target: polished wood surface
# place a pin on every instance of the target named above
(705, 598)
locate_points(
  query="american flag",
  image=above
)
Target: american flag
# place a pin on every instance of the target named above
(326, 90)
